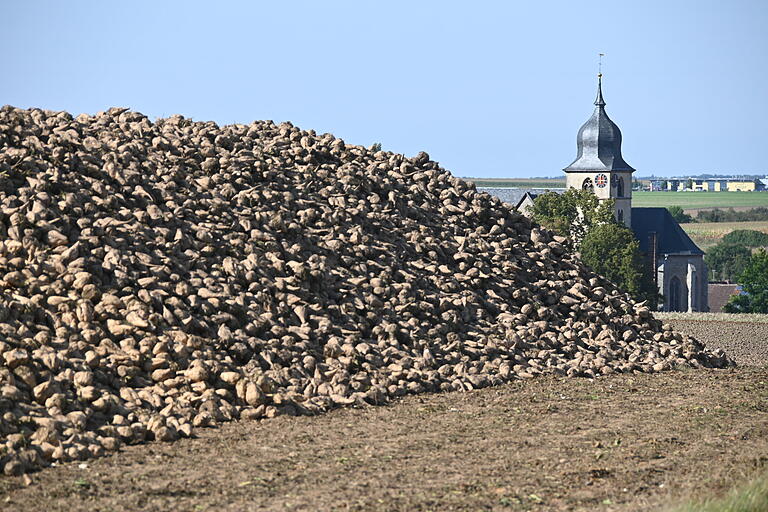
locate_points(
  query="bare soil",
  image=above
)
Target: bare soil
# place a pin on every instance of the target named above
(625, 442)
(745, 342)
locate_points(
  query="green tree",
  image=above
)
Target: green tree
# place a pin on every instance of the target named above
(608, 247)
(613, 251)
(679, 214)
(746, 237)
(754, 285)
(727, 260)
(572, 213)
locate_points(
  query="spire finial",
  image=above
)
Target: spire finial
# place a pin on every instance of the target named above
(599, 100)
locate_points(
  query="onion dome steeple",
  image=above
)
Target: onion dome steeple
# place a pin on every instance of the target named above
(599, 141)
(599, 101)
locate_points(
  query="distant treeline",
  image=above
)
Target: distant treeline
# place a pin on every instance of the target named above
(717, 215)
(731, 215)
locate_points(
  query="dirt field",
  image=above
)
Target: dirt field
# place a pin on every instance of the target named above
(745, 342)
(622, 443)
(628, 442)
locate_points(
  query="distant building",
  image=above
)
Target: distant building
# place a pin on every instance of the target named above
(742, 186)
(708, 185)
(525, 204)
(681, 275)
(720, 294)
(515, 196)
(677, 263)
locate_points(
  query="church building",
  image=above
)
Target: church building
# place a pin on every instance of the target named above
(677, 263)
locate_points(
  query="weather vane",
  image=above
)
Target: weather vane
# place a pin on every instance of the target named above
(600, 65)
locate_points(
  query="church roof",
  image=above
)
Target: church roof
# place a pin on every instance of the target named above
(718, 294)
(670, 236)
(599, 141)
(528, 194)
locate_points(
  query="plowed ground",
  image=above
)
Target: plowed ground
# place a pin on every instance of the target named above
(628, 442)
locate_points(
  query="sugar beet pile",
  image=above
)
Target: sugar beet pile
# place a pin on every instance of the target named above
(156, 277)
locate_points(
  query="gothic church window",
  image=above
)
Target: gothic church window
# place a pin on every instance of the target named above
(619, 187)
(621, 215)
(587, 185)
(675, 294)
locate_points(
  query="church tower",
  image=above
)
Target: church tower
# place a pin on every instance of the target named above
(599, 166)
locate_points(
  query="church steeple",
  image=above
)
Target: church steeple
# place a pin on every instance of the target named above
(599, 100)
(599, 141)
(599, 165)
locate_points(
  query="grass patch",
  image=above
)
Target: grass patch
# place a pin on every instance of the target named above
(82, 483)
(751, 318)
(751, 497)
(688, 200)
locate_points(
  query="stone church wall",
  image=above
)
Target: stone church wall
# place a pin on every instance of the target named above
(683, 281)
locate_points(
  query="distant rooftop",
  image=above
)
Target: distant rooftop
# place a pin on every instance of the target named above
(670, 236)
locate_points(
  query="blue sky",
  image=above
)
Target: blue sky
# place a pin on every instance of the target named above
(495, 89)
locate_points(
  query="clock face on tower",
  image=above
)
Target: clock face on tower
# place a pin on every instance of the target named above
(601, 180)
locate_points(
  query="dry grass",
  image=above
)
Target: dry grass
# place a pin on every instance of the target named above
(720, 229)
(750, 497)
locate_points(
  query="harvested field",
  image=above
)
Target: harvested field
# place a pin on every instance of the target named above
(618, 443)
(157, 277)
(695, 211)
(748, 318)
(743, 337)
(707, 234)
(160, 278)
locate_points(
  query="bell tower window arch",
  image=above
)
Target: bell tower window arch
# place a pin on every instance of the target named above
(588, 185)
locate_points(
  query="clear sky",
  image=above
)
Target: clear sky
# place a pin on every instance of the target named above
(493, 89)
